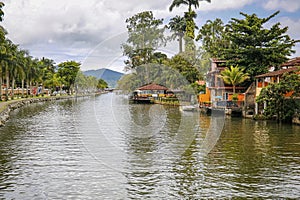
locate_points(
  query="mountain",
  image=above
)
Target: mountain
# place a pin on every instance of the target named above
(110, 76)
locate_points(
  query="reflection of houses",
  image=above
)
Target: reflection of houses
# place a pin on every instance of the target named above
(148, 93)
(217, 92)
(274, 77)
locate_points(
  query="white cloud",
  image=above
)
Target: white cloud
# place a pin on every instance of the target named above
(294, 26)
(217, 5)
(287, 5)
(70, 29)
(293, 31)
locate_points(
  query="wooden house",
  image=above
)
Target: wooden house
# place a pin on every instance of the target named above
(216, 90)
(273, 77)
(148, 93)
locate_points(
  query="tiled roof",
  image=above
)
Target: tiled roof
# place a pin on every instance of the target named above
(277, 73)
(292, 62)
(152, 86)
(215, 60)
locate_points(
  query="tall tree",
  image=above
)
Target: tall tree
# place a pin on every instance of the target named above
(185, 68)
(1, 11)
(189, 17)
(68, 71)
(213, 37)
(2, 48)
(47, 69)
(255, 47)
(189, 3)
(145, 35)
(234, 76)
(177, 25)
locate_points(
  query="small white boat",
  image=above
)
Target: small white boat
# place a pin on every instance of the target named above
(189, 108)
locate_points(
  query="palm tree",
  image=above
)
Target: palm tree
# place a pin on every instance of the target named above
(1, 11)
(178, 25)
(23, 65)
(189, 18)
(213, 37)
(3, 57)
(11, 49)
(18, 70)
(234, 76)
(189, 3)
(47, 69)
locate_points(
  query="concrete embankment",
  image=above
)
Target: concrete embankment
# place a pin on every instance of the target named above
(8, 106)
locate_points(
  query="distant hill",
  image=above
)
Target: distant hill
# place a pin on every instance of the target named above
(110, 76)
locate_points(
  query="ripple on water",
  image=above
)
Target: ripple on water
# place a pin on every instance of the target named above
(90, 149)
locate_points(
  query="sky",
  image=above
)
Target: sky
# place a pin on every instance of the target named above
(92, 31)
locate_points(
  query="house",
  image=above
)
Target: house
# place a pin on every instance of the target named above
(147, 93)
(264, 80)
(217, 92)
(291, 63)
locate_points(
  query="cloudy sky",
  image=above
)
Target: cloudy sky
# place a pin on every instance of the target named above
(91, 31)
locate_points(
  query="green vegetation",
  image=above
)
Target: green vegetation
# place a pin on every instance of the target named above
(212, 34)
(19, 69)
(67, 71)
(144, 36)
(234, 76)
(278, 105)
(190, 25)
(177, 26)
(101, 84)
(247, 43)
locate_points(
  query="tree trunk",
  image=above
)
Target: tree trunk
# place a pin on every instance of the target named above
(1, 87)
(180, 43)
(7, 84)
(27, 84)
(12, 88)
(22, 88)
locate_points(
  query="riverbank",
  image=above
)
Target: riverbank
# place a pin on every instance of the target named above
(7, 106)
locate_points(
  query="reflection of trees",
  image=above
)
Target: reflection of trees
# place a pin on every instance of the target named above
(140, 114)
(153, 73)
(142, 173)
(250, 155)
(186, 173)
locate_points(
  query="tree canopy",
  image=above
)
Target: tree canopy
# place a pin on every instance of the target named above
(145, 35)
(277, 104)
(177, 25)
(255, 47)
(248, 42)
(67, 71)
(212, 35)
(234, 76)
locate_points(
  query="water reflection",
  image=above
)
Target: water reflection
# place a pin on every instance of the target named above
(105, 148)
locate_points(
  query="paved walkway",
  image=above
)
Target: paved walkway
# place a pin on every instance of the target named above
(3, 105)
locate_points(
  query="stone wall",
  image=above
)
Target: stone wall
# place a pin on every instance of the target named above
(10, 106)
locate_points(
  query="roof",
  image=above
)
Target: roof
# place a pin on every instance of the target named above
(277, 73)
(292, 62)
(152, 86)
(216, 60)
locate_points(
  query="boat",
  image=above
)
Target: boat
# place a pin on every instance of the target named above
(189, 108)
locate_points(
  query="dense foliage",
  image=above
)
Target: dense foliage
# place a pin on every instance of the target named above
(278, 104)
(18, 69)
(190, 25)
(234, 76)
(145, 35)
(248, 43)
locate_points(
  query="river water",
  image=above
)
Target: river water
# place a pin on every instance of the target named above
(105, 148)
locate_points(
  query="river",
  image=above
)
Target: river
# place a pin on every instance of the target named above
(105, 148)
